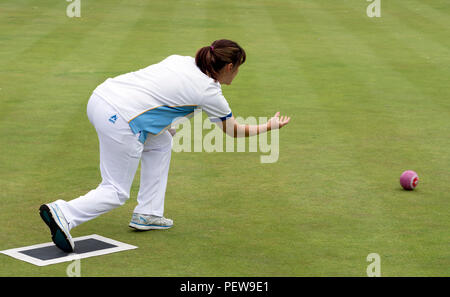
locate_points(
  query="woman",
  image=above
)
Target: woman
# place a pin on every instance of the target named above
(132, 114)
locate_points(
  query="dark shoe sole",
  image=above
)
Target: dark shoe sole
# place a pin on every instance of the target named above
(58, 236)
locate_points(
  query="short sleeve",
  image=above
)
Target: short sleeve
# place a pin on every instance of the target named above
(215, 105)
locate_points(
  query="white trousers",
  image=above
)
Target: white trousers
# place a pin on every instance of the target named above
(120, 153)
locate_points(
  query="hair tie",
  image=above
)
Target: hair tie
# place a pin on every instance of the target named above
(211, 47)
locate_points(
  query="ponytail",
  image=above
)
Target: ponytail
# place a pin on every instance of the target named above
(211, 59)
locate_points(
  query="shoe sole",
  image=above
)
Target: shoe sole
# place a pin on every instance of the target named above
(59, 237)
(147, 227)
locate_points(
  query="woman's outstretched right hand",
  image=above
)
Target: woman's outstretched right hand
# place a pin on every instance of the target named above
(276, 122)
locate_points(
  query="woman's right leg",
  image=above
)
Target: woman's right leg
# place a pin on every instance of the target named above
(120, 153)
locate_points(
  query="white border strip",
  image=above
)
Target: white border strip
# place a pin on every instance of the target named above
(411, 183)
(16, 253)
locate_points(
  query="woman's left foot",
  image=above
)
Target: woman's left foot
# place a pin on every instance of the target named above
(149, 222)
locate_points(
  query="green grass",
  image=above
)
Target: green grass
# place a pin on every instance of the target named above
(368, 98)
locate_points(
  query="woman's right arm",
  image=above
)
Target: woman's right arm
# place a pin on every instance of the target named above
(232, 128)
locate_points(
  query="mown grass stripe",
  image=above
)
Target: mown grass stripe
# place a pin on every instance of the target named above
(403, 54)
(53, 103)
(435, 12)
(26, 24)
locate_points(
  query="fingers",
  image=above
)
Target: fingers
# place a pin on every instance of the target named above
(284, 120)
(281, 120)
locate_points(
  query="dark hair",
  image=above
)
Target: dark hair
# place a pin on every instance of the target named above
(211, 59)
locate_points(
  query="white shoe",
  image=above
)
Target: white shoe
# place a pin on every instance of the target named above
(59, 227)
(149, 222)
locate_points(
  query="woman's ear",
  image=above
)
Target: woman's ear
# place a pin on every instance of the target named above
(230, 67)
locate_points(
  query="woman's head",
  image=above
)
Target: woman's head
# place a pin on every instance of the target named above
(220, 60)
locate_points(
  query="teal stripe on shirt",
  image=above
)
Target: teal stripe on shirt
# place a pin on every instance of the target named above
(156, 119)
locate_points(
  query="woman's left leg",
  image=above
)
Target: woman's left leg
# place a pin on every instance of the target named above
(155, 162)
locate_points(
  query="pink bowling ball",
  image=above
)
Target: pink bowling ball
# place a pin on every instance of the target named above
(409, 180)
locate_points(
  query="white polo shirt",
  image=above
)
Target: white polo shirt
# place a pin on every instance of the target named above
(150, 99)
